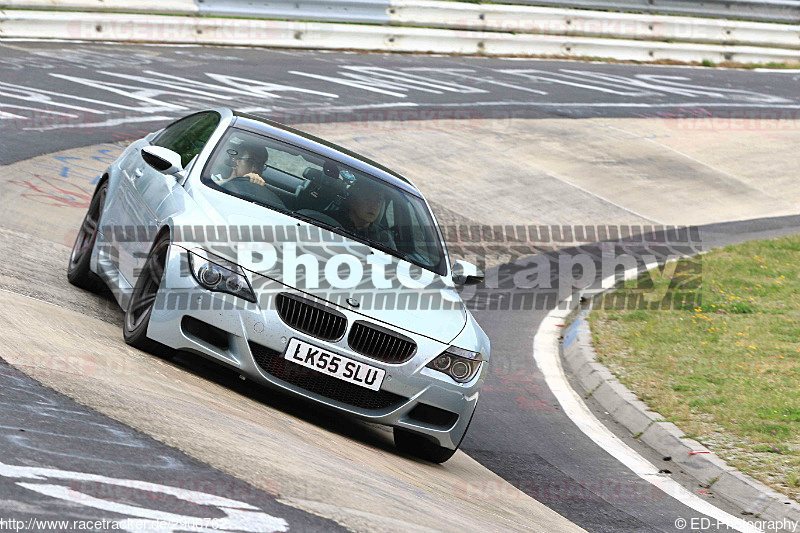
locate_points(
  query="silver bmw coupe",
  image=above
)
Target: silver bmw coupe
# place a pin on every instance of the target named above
(301, 265)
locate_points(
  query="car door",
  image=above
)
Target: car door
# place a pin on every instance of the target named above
(149, 189)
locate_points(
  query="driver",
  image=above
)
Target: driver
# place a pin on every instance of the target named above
(247, 162)
(362, 208)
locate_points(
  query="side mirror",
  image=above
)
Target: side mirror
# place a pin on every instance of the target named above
(465, 273)
(162, 159)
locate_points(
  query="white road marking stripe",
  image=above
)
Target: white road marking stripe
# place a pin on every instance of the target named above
(546, 355)
(66, 485)
(111, 122)
(617, 104)
(10, 116)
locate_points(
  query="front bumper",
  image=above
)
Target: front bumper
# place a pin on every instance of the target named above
(252, 340)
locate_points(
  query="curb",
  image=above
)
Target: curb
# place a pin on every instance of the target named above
(703, 465)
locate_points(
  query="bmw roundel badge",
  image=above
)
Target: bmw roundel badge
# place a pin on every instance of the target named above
(353, 302)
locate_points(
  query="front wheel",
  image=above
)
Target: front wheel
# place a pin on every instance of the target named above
(78, 271)
(143, 298)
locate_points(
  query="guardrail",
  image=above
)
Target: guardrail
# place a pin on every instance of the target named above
(381, 11)
(758, 10)
(575, 22)
(69, 25)
(412, 26)
(370, 11)
(785, 11)
(464, 16)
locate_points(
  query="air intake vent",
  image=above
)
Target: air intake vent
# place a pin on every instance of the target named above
(428, 414)
(273, 364)
(205, 332)
(380, 343)
(310, 317)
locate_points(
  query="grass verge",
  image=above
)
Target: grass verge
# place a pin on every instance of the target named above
(726, 367)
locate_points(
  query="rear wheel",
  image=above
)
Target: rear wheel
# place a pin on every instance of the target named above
(143, 298)
(78, 272)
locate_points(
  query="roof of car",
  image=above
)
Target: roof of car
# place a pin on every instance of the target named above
(322, 147)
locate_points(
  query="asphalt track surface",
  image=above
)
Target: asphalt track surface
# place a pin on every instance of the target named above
(60, 95)
(40, 426)
(519, 431)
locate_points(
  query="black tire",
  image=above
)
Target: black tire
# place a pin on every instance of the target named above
(423, 447)
(143, 298)
(78, 272)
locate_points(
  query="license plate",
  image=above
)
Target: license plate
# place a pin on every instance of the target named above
(331, 364)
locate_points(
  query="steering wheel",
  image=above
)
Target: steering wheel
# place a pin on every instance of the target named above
(243, 185)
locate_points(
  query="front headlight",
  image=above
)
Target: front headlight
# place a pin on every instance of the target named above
(458, 363)
(219, 275)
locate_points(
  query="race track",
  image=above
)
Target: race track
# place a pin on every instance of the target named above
(178, 421)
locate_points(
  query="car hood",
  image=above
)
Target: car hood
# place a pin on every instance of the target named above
(280, 252)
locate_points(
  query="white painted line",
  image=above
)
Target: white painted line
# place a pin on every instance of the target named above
(38, 110)
(61, 484)
(364, 106)
(112, 122)
(10, 116)
(348, 82)
(546, 355)
(620, 104)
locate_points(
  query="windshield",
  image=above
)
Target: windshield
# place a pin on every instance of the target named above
(312, 187)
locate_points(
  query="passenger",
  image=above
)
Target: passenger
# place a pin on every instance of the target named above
(364, 204)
